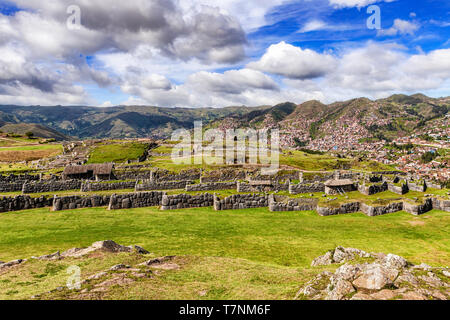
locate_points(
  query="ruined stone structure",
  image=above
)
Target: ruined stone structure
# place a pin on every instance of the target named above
(96, 172)
(418, 209)
(333, 187)
(373, 211)
(401, 190)
(419, 187)
(280, 203)
(372, 189)
(343, 209)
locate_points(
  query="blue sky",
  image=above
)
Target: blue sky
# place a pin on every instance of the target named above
(219, 53)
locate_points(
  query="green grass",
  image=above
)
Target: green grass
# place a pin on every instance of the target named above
(242, 254)
(287, 239)
(117, 152)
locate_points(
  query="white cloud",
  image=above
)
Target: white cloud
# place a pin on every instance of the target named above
(355, 3)
(313, 25)
(294, 62)
(231, 82)
(400, 26)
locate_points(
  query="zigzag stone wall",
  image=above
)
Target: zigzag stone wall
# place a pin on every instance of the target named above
(182, 201)
(417, 187)
(418, 209)
(211, 186)
(136, 200)
(10, 186)
(443, 205)
(51, 186)
(241, 201)
(78, 202)
(373, 211)
(373, 189)
(19, 178)
(343, 209)
(280, 203)
(106, 186)
(18, 203)
(306, 188)
(274, 186)
(397, 189)
(162, 185)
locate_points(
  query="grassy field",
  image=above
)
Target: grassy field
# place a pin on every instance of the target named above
(232, 254)
(117, 152)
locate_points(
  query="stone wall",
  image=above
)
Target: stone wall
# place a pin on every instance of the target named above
(162, 185)
(280, 203)
(319, 177)
(306, 188)
(241, 201)
(18, 203)
(106, 186)
(373, 189)
(133, 175)
(274, 186)
(211, 186)
(278, 177)
(223, 176)
(398, 189)
(182, 201)
(22, 178)
(51, 186)
(373, 211)
(418, 209)
(434, 185)
(376, 178)
(443, 205)
(135, 200)
(10, 186)
(343, 175)
(157, 175)
(78, 202)
(417, 187)
(343, 209)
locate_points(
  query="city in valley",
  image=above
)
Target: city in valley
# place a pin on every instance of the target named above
(224, 150)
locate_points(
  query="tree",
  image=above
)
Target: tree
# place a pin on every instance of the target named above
(29, 134)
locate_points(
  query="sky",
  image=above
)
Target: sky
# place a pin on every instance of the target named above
(218, 53)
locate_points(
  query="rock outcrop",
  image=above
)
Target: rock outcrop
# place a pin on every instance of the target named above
(379, 277)
(105, 246)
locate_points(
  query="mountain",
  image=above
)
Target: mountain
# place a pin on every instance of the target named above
(311, 120)
(116, 122)
(38, 130)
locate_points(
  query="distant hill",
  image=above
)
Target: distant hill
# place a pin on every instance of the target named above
(116, 122)
(38, 130)
(398, 114)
